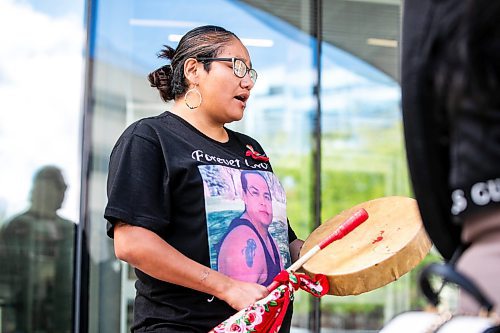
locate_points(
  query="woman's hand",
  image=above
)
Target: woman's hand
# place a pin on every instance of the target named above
(240, 294)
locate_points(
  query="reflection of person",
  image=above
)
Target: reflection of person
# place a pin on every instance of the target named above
(451, 109)
(156, 208)
(248, 251)
(36, 254)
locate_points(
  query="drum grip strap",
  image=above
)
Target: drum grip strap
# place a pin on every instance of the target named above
(449, 274)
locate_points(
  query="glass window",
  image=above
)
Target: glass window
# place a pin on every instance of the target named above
(360, 99)
(40, 98)
(363, 156)
(278, 114)
(362, 151)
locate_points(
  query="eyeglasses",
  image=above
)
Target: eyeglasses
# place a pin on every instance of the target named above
(240, 69)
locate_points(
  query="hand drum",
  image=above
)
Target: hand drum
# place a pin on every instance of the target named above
(389, 244)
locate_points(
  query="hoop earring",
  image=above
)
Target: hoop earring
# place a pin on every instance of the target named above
(193, 90)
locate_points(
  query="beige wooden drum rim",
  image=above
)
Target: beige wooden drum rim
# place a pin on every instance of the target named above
(405, 235)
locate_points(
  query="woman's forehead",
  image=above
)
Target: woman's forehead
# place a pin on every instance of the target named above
(235, 49)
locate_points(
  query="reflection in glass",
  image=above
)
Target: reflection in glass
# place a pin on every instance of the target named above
(36, 256)
(120, 94)
(362, 140)
(362, 148)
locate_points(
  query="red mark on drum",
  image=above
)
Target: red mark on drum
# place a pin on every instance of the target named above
(379, 238)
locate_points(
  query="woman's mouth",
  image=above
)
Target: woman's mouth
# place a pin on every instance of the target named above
(242, 98)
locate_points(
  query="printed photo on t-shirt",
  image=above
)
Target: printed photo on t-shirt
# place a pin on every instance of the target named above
(246, 223)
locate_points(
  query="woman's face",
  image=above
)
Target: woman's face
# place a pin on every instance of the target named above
(224, 94)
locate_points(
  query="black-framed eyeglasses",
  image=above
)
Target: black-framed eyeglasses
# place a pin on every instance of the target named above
(240, 69)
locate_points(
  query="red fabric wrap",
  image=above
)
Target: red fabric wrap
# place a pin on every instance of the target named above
(266, 315)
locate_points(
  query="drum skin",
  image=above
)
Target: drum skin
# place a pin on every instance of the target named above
(379, 251)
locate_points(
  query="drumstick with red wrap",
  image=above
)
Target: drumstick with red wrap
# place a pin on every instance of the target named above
(346, 227)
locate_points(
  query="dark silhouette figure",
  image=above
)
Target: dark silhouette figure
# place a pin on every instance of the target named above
(36, 256)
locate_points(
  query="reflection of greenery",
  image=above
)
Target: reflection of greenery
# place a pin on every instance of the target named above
(342, 190)
(344, 308)
(301, 306)
(297, 181)
(417, 300)
(353, 315)
(359, 164)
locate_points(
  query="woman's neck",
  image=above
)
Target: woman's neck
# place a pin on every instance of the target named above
(199, 120)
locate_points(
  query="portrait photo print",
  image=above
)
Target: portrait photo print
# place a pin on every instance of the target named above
(239, 204)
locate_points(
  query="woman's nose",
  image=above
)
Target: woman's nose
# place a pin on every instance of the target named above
(246, 82)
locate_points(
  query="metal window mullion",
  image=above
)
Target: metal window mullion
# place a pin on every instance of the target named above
(81, 263)
(316, 29)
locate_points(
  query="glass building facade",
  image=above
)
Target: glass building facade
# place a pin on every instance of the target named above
(326, 108)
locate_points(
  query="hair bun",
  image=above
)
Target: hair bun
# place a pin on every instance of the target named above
(160, 77)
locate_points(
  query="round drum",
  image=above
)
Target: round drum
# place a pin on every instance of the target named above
(391, 242)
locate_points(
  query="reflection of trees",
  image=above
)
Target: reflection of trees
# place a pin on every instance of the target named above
(350, 174)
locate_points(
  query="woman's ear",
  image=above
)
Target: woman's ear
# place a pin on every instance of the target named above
(191, 70)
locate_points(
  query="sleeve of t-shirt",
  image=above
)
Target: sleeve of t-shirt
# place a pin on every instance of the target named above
(137, 185)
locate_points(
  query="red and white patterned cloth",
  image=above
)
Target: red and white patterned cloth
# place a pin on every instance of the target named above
(266, 315)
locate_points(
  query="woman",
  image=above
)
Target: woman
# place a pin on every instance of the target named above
(157, 206)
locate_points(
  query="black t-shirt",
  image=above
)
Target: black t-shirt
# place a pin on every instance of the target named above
(166, 176)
